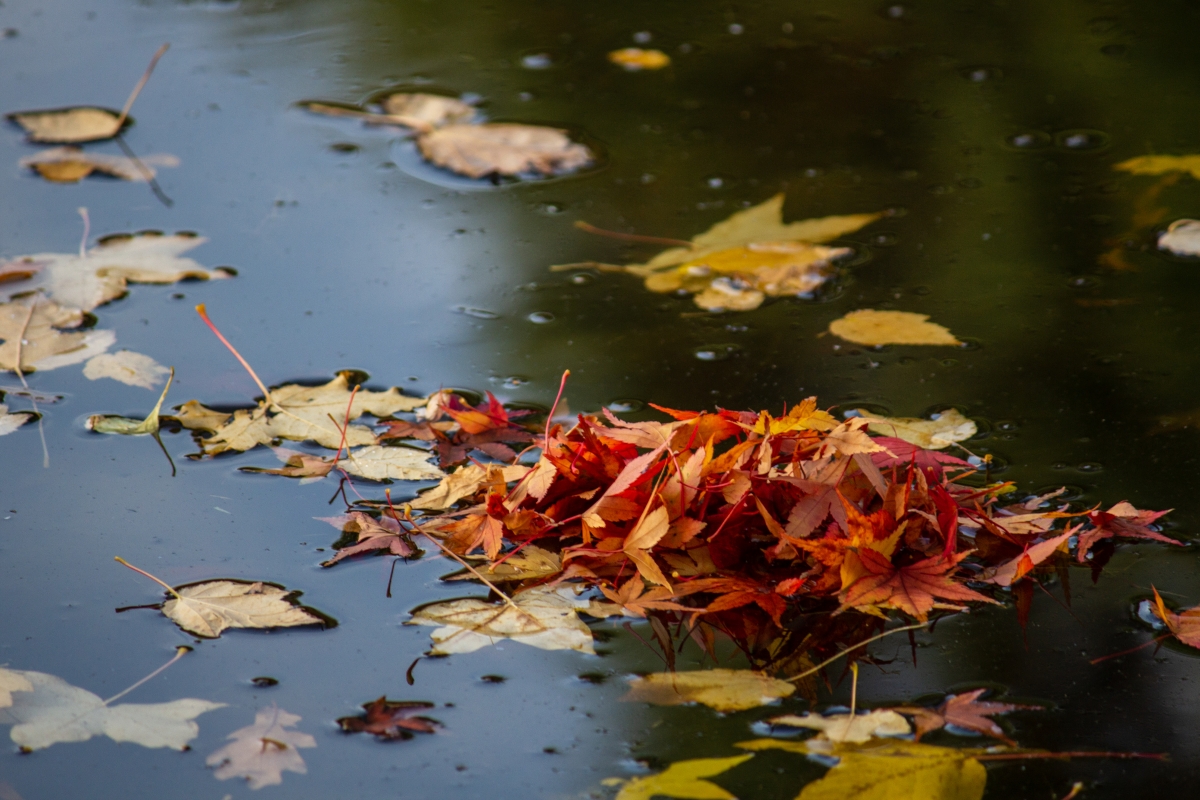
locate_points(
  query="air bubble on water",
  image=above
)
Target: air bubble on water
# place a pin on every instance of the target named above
(715, 182)
(643, 37)
(537, 61)
(550, 208)
(1029, 140)
(540, 317)
(896, 11)
(582, 278)
(477, 313)
(716, 352)
(1081, 139)
(1090, 466)
(736, 29)
(626, 405)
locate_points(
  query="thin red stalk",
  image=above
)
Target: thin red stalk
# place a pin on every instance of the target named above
(631, 237)
(1141, 646)
(1070, 754)
(345, 426)
(203, 312)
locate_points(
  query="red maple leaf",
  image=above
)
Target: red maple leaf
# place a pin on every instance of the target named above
(1185, 627)
(902, 454)
(964, 711)
(1121, 520)
(912, 589)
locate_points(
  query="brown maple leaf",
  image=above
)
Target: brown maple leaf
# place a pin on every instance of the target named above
(1185, 627)
(964, 711)
(374, 535)
(1121, 520)
(912, 589)
(390, 719)
(634, 598)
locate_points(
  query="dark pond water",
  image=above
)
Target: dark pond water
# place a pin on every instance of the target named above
(993, 125)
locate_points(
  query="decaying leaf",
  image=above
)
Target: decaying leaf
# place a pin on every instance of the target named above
(417, 110)
(10, 682)
(721, 689)
(70, 125)
(1184, 626)
(40, 330)
(503, 149)
(103, 273)
(108, 423)
(888, 769)
(740, 261)
(262, 752)
(1182, 238)
(531, 562)
(463, 482)
(206, 609)
(871, 327)
(383, 463)
(53, 711)
(544, 617)
(71, 164)
(683, 779)
(390, 719)
(300, 413)
(9, 423)
(127, 367)
(375, 535)
(846, 728)
(1160, 165)
(635, 59)
(945, 429)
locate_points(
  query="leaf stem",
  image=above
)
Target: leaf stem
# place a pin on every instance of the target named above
(180, 651)
(833, 658)
(140, 85)
(632, 237)
(170, 589)
(202, 310)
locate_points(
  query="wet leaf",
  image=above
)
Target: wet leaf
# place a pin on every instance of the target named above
(71, 164)
(544, 617)
(846, 728)
(683, 779)
(463, 482)
(721, 689)
(635, 59)
(964, 711)
(69, 125)
(390, 719)
(40, 330)
(1124, 521)
(374, 536)
(8, 424)
(740, 261)
(890, 769)
(300, 413)
(262, 752)
(1012, 571)
(871, 327)
(912, 588)
(381, 463)
(1182, 238)
(12, 682)
(206, 609)
(419, 111)
(938, 433)
(503, 149)
(104, 272)
(127, 367)
(531, 562)
(1159, 165)
(107, 423)
(53, 711)
(1185, 626)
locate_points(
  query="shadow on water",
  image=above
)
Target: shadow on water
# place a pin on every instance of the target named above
(994, 127)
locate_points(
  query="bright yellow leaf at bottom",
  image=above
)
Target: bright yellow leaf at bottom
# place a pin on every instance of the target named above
(684, 779)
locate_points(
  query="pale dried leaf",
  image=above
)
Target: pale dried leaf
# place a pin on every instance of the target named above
(871, 327)
(55, 711)
(720, 689)
(503, 149)
(1182, 238)
(262, 752)
(545, 618)
(127, 367)
(380, 463)
(8, 424)
(71, 164)
(44, 337)
(208, 608)
(432, 109)
(108, 423)
(845, 728)
(10, 682)
(67, 125)
(943, 430)
(463, 482)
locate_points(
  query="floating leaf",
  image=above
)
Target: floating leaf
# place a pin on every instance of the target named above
(945, 429)
(964, 711)
(1185, 627)
(635, 59)
(503, 149)
(107, 423)
(55, 711)
(374, 536)
(383, 463)
(8, 424)
(1182, 238)
(127, 367)
(12, 682)
(463, 482)
(390, 719)
(419, 111)
(543, 617)
(721, 689)
(683, 779)
(262, 752)
(71, 164)
(103, 273)
(39, 330)
(70, 125)
(871, 327)
(847, 728)
(1159, 165)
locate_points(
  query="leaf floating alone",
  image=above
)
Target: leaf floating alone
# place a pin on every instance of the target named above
(53, 711)
(390, 719)
(8, 424)
(635, 59)
(70, 165)
(721, 689)
(871, 327)
(683, 779)
(541, 617)
(40, 330)
(1185, 626)
(10, 682)
(106, 423)
(103, 273)
(947, 428)
(1182, 238)
(70, 125)
(846, 728)
(1160, 165)
(504, 149)
(127, 367)
(207, 608)
(262, 752)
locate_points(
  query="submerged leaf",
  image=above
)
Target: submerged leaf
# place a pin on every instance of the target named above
(52, 711)
(69, 125)
(683, 779)
(71, 164)
(720, 689)
(871, 327)
(945, 429)
(127, 367)
(262, 752)
(503, 149)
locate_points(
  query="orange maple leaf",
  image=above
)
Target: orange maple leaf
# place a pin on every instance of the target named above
(912, 589)
(1185, 627)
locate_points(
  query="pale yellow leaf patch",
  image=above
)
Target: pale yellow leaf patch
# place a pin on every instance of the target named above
(1160, 165)
(683, 779)
(10, 682)
(126, 366)
(71, 164)
(847, 728)
(67, 125)
(949, 427)
(503, 149)
(721, 689)
(206, 609)
(635, 59)
(1182, 238)
(871, 327)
